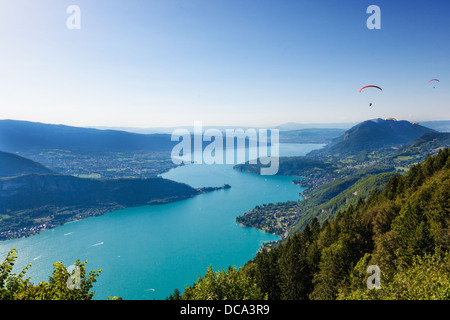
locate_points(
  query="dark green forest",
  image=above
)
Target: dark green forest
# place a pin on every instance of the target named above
(403, 230)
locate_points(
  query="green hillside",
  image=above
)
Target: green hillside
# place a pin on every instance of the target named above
(330, 198)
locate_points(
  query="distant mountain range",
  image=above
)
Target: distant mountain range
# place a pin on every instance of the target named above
(439, 125)
(16, 136)
(291, 126)
(19, 136)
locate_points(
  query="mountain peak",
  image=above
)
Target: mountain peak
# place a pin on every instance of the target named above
(375, 134)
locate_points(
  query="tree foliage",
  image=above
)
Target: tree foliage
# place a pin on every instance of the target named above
(17, 287)
(228, 284)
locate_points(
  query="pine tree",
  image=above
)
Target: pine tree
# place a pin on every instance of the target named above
(295, 271)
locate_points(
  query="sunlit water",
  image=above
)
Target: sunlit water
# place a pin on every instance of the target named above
(146, 252)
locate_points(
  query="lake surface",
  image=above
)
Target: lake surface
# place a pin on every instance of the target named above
(146, 252)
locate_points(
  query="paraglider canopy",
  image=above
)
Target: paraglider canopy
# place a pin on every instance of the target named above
(391, 119)
(415, 123)
(371, 86)
(433, 80)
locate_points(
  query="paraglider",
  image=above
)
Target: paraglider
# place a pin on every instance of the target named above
(433, 80)
(370, 86)
(415, 123)
(391, 119)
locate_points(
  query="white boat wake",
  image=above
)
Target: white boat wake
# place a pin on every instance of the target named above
(97, 244)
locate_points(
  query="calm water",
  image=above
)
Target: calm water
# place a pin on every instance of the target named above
(147, 252)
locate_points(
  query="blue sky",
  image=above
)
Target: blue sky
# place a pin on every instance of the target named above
(255, 63)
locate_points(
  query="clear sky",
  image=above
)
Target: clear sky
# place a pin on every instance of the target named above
(255, 63)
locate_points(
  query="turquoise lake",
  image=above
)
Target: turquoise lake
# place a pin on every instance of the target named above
(146, 252)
